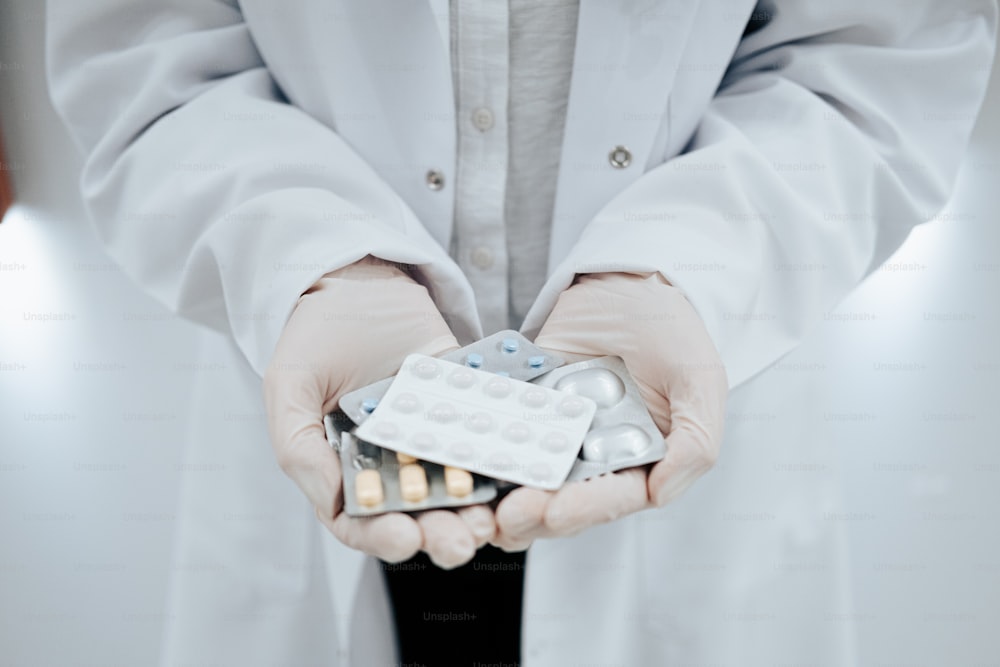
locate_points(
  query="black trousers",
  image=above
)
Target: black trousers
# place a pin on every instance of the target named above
(459, 617)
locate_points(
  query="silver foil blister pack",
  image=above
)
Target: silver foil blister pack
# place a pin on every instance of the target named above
(505, 353)
(359, 458)
(622, 434)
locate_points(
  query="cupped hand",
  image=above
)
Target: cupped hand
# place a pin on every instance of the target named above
(667, 350)
(353, 327)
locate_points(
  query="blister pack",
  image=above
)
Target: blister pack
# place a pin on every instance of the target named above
(377, 481)
(622, 434)
(504, 353)
(503, 428)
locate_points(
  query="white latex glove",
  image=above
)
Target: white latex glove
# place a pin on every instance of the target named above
(353, 327)
(652, 327)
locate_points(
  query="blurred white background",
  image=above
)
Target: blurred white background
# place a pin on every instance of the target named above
(95, 379)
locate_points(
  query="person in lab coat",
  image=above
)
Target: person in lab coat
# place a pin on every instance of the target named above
(332, 185)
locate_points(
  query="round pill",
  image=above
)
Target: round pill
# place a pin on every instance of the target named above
(461, 451)
(462, 378)
(426, 369)
(406, 403)
(510, 345)
(498, 387)
(387, 430)
(554, 442)
(443, 413)
(423, 442)
(413, 483)
(473, 360)
(368, 405)
(534, 397)
(572, 406)
(368, 488)
(457, 482)
(540, 472)
(479, 422)
(516, 432)
(503, 374)
(536, 361)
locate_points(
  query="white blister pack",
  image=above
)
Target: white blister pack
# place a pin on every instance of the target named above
(622, 434)
(496, 426)
(504, 353)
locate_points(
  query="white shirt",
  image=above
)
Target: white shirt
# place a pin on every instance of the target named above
(511, 65)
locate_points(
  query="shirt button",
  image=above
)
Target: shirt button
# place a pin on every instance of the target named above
(435, 179)
(483, 119)
(482, 257)
(620, 157)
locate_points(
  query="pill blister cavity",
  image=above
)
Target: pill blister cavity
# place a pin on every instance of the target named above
(368, 405)
(554, 442)
(498, 387)
(387, 430)
(536, 361)
(426, 369)
(462, 378)
(461, 451)
(572, 406)
(474, 360)
(406, 403)
(500, 464)
(510, 345)
(443, 413)
(540, 472)
(615, 443)
(600, 384)
(479, 422)
(516, 432)
(534, 397)
(457, 482)
(413, 483)
(368, 488)
(424, 442)
(405, 459)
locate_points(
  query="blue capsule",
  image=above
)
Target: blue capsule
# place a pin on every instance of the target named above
(368, 405)
(473, 360)
(536, 361)
(511, 345)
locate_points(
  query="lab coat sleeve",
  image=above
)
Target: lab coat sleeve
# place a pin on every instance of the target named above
(836, 129)
(212, 192)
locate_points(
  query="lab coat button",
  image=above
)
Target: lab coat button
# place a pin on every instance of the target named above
(482, 257)
(620, 157)
(435, 179)
(482, 119)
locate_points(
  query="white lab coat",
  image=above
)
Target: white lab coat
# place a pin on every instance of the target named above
(238, 151)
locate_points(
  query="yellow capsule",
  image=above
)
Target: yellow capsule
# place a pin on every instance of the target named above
(458, 482)
(368, 488)
(405, 459)
(413, 483)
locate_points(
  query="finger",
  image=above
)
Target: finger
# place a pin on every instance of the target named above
(480, 521)
(580, 505)
(520, 519)
(392, 537)
(691, 452)
(447, 538)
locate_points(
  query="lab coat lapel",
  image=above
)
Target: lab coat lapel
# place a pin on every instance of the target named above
(624, 66)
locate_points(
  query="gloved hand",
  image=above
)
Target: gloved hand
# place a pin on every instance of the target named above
(353, 327)
(652, 327)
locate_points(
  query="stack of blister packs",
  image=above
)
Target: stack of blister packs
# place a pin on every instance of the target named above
(452, 431)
